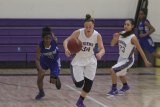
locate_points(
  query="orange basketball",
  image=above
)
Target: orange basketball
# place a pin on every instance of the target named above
(74, 45)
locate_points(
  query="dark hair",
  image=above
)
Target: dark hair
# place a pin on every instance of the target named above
(89, 18)
(129, 32)
(46, 31)
(132, 22)
(145, 11)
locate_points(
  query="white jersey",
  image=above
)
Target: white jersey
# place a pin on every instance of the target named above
(84, 56)
(126, 48)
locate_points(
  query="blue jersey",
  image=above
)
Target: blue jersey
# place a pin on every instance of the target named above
(49, 58)
(51, 53)
(145, 42)
(142, 28)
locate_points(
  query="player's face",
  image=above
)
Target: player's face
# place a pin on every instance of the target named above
(128, 26)
(47, 39)
(89, 26)
(141, 15)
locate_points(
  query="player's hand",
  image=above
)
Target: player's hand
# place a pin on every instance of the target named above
(148, 64)
(142, 35)
(67, 53)
(98, 56)
(116, 36)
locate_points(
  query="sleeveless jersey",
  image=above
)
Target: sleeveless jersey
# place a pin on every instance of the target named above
(88, 44)
(142, 29)
(86, 55)
(126, 48)
(51, 53)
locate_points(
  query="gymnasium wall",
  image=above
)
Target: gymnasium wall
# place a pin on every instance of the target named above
(154, 18)
(67, 8)
(78, 9)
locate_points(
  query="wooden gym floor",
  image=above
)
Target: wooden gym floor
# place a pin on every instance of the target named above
(18, 89)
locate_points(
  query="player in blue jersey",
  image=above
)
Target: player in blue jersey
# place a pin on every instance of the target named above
(47, 57)
(127, 42)
(145, 29)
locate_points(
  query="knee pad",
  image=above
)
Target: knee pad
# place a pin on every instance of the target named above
(87, 85)
(79, 84)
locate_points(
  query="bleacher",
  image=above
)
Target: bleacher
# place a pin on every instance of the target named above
(19, 37)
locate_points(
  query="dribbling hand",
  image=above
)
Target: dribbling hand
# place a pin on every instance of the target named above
(142, 35)
(67, 53)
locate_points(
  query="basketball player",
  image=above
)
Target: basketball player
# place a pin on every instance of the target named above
(84, 64)
(47, 57)
(145, 29)
(127, 42)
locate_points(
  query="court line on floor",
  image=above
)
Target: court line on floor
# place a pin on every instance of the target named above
(94, 100)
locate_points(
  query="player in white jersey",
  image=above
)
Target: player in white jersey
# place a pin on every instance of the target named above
(84, 64)
(127, 42)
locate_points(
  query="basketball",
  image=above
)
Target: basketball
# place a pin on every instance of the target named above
(74, 45)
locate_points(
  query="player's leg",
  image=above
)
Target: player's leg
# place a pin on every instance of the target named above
(55, 80)
(77, 75)
(40, 85)
(54, 74)
(123, 80)
(122, 76)
(89, 74)
(41, 74)
(119, 69)
(78, 79)
(114, 89)
(150, 46)
(125, 85)
(85, 90)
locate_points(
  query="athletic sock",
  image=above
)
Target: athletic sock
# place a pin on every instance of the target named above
(114, 86)
(41, 90)
(80, 97)
(125, 84)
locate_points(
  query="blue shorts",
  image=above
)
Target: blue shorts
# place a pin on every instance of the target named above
(147, 44)
(54, 66)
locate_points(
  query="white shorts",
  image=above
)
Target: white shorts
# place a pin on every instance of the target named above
(122, 66)
(88, 70)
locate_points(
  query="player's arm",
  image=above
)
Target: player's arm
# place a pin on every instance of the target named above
(54, 37)
(75, 34)
(115, 38)
(100, 47)
(135, 42)
(37, 60)
(151, 29)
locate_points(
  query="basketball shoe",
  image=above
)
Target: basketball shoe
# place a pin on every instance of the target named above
(40, 95)
(80, 103)
(124, 89)
(112, 92)
(56, 81)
